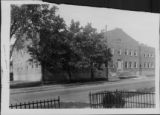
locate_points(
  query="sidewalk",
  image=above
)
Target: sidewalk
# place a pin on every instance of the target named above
(27, 84)
(37, 86)
(23, 84)
(53, 86)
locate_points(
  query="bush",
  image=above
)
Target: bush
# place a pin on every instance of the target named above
(113, 99)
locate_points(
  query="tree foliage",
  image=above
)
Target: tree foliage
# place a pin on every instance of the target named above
(89, 45)
(53, 44)
(28, 20)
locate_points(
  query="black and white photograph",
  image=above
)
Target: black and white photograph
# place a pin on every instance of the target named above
(79, 57)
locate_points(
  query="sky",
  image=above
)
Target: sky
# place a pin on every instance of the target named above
(141, 26)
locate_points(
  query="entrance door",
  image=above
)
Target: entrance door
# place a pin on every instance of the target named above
(119, 65)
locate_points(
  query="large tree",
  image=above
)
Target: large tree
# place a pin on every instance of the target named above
(35, 23)
(53, 44)
(95, 49)
(90, 45)
(28, 20)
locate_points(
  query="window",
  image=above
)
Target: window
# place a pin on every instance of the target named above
(27, 67)
(119, 52)
(32, 65)
(118, 40)
(130, 53)
(148, 65)
(148, 55)
(126, 64)
(135, 53)
(36, 65)
(111, 65)
(144, 64)
(126, 52)
(144, 55)
(135, 64)
(130, 64)
(140, 66)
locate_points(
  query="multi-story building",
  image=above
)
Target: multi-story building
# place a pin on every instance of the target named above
(147, 60)
(128, 54)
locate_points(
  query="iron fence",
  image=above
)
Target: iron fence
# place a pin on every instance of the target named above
(53, 103)
(122, 99)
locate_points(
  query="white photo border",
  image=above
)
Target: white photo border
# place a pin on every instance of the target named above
(5, 110)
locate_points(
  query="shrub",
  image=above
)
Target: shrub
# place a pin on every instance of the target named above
(113, 99)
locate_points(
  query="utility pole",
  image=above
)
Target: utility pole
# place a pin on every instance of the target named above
(140, 62)
(107, 53)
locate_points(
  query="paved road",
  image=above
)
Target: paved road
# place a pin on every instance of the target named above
(75, 93)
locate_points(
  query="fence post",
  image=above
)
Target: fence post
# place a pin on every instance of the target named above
(20, 105)
(33, 104)
(51, 103)
(40, 103)
(16, 105)
(37, 103)
(59, 102)
(29, 105)
(44, 104)
(90, 97)
(24, 105)
(11, 106)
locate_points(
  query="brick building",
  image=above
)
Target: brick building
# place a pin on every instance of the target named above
(129, 55)
(146, 59)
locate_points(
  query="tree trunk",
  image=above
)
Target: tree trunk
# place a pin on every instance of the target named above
(107, 70)
(69, 73)
(92, 72)
(43, 72)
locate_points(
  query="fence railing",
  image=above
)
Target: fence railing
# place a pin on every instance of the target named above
(122, 99)
(53, 103)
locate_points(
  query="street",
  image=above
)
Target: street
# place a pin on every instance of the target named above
(76, 93)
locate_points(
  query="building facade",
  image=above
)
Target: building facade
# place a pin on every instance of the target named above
(23, 68)
(147, 60)
(129, 55)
